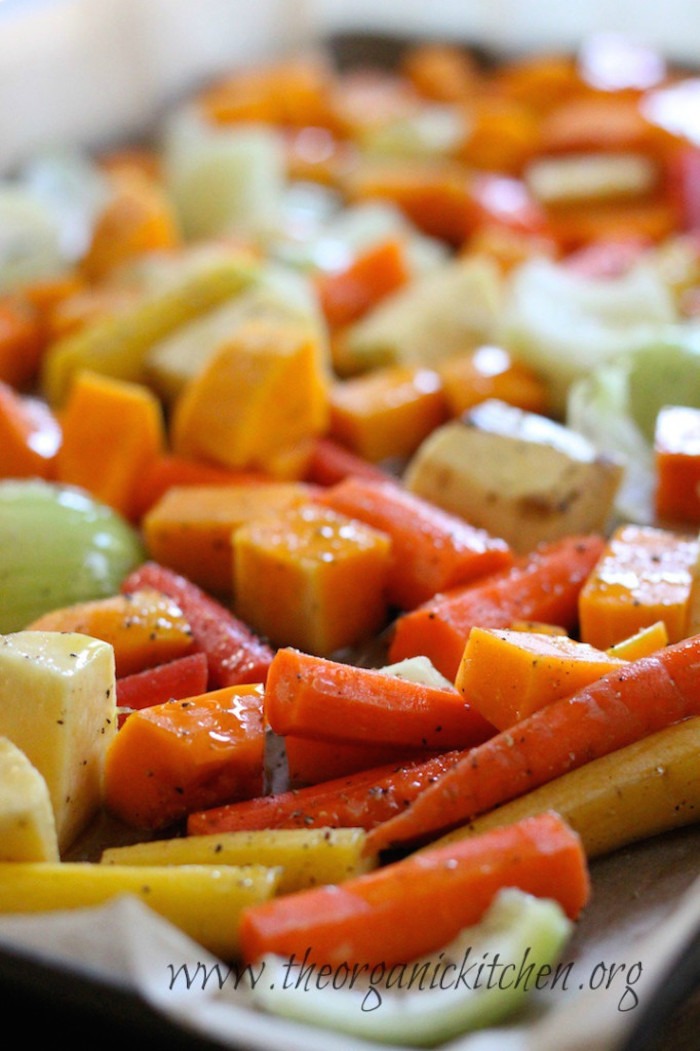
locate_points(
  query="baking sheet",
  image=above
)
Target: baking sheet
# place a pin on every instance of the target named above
(111, 965)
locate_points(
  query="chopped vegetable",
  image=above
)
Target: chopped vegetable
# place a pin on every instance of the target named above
(431, 550)
(169, 759)
(58, 546)
(507, 675)
(330, 700)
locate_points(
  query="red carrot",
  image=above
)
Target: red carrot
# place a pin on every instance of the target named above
(432, 550)
(235, 654)
(329, 462)
(361, 800)
(622, 707)
(332, 701)
(399, 912)
(543, 586)
(174, 680)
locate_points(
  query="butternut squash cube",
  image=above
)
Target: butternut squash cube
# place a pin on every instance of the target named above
(111, 429)
(260, 395)
(184, 755)
(312, 578)
(644, 575)
(507, 675)
(143, 628)
(190, 528)
(387, 412)
(490, 371)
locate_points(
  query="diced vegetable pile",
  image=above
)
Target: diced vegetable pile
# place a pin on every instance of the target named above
(349, 513)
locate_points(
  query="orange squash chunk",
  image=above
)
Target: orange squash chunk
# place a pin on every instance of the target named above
(190, 528)
(677, 458)
(184, 755)
(111, 430)
(644, 574)
(387, 412)
(507, 675)
(311, 578)
(490, 372)
(145, 627)
(258, 402)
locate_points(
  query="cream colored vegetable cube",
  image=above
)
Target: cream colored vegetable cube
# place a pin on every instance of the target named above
(519, 475)
(57, 704)
(27, 825)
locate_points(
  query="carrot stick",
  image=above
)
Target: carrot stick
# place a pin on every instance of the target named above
(173, 680)
(332, 701)
(622, 707)
(415, 906)
(361, 800)
(543, 585)
(329, 462)
(235, 654)
(432, 550)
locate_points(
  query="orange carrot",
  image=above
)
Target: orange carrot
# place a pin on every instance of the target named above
(419, 904)
(432, 550)
(622, 707)
(360, 800)
(171, 758)
(30, 435)
(330, 462)
(345, 295)
(543, 585)
(331, 701)
(235, 654)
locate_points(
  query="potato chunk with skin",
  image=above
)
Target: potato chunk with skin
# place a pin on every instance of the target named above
(519, 475)
(58, 705)
(27, 825)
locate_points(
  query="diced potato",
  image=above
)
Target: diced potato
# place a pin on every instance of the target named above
(307, 857)
(203, 901)
(58, 705)
(27, 825)
(517, 474)
(312, 578)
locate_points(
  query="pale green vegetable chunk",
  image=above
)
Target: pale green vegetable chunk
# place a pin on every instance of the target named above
(58, 546)
(429, 1003)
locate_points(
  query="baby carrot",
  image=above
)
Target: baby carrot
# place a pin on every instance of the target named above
(360, 800)
(623, 706)
(399, 912)
(235, 654)
(432, 550)
(320, 698)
